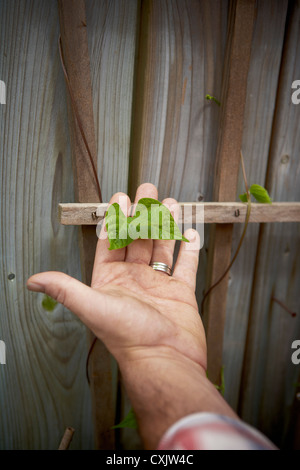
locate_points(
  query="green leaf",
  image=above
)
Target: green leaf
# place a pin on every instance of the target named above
(260, 194)
(152, 220)
(48, 303)
(243, 197)
(221, 387)
(117, 227)
(128, 422)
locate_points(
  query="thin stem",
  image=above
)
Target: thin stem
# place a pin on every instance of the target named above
(293, 314)
(244, 176)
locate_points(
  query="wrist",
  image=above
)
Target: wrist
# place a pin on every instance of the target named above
(164, 386)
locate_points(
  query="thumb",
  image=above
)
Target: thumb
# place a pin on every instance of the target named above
(73, 294)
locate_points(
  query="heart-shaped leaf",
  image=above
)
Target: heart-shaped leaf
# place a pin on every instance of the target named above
(152, 220)
(260, 194)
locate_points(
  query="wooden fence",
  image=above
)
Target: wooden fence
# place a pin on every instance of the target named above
(152, 63)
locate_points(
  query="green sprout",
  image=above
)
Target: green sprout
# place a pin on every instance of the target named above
(212, 98)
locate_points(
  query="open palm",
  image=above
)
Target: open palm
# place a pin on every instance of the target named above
(135, 310)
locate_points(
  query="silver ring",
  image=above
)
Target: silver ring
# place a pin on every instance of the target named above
(157, 266)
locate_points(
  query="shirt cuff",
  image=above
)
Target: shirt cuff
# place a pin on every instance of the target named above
(210, 431)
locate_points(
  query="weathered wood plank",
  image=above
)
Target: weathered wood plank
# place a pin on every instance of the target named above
(112, 36)
(267, 388)
(213, 212)
(262, 85)
(239, 41)
(75, 55)
(174, 131)
(43, 386)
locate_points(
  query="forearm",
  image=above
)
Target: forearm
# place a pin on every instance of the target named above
(163, 389)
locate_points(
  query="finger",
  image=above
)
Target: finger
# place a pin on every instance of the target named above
(163, 250)
(74, 295)
(140, 251)
(103, 254)
(188, 257)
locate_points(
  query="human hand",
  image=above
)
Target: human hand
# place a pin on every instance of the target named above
(133, 309)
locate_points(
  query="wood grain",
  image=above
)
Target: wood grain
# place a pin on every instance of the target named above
(268, 37)
(239, 41)
(269, 377)
(174, 131)
(43, 385)
(83, 144)
(112, 36)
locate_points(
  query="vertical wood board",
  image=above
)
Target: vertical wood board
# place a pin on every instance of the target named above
(269, 376)
(234, 88)
(258, 119)
(112, 33)
(180, 60)
(43, 385)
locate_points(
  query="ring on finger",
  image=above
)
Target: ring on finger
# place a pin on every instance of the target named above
(157, 266)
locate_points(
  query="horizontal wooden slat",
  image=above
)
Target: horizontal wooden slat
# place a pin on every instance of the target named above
(214, 212)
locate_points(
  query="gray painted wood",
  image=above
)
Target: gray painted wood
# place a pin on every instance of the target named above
(175, 128)
(43, 384)
(112, 33)
(269, 376)
(260, 105)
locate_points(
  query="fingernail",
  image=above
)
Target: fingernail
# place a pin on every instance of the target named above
(194, 238)
(192, 235)
(35, 287)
